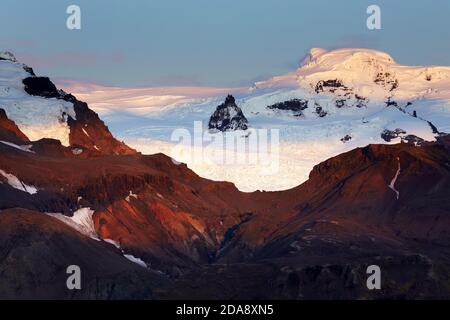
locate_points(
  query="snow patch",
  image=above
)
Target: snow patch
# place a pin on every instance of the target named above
(25, 148)
(77, 151)
(394, 180)
(14, 182)
(85, 132)
(81, 221)
(135, 260)
(114, 243)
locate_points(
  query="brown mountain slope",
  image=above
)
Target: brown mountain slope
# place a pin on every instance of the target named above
(9, 130)
(36, 250)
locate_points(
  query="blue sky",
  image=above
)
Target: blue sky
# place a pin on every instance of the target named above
(212, 42)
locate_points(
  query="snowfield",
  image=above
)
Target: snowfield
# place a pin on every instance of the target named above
(351, 96)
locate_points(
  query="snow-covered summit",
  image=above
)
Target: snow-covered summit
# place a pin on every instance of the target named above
(361, 69)
(37, 117)
(347, 56)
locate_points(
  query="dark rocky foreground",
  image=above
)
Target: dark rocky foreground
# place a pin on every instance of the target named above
(36, 250)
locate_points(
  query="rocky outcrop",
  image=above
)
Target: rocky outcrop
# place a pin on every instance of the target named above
(228, 117)
(346, 138)
(330, 86)
(388, 135)
(296, 106)
(89, 132)
(319, 110)
(387, 80)
(43, 87)
(343, 96)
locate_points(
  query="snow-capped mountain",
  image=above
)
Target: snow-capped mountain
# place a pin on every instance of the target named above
(335, 101)
(36, 116)
(228, 117)
(41, 111)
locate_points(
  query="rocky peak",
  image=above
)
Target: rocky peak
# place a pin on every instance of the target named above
(228, 117)
(230, 100)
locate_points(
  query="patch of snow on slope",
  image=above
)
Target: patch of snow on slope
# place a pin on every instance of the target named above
(394, 180)
(36, 117)
(14, 182)
(81, 221)
(135, 260)
(77, 151)
(85, 132)
(114, 243)
(25, 148)
(127, 256)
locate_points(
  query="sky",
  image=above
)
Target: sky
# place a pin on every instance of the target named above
(219, 43)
